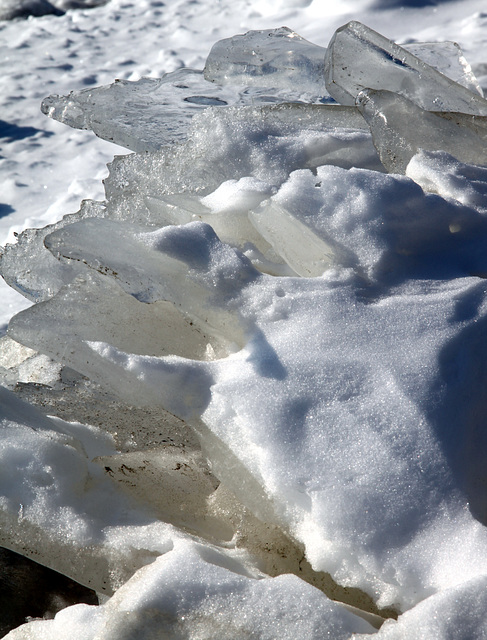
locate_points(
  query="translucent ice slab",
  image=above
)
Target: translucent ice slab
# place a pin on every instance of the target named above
(142, 115)
(400, 129)
(268, 58)
(41, 283)
(306, 253)
(359, 58)
(150, 113)
(448, 59)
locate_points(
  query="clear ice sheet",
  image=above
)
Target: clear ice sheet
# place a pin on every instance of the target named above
(448, 59)
(359, 58)
(270, 66)
(140, 186)
(400, 129)
(351, 394)
(16, 260)
(149, 113)
(278, 58)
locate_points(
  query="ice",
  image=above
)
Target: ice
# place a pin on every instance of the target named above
(194, 591)
(397, 406)
(311, 328)
(448, 59)
(211, 330)
(271, 66)
(272, 58)
(148, 114)
(162, 108)
(302, 250)
(65, 511)
(17, 259)
(356, 213)
(359, 58)
(290, 136)
(400, 129)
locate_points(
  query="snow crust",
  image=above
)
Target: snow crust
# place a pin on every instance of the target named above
(310, 320)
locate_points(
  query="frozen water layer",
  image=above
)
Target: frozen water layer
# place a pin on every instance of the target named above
(448, 59)
(400, 129)
(17, 259)
(221, 146)
(282, 58)
(268, 58)
(150, 113)
(359, 58)
(147, 114)
(156, 278)
(385, 227)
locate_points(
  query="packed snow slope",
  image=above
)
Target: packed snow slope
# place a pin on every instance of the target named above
(258, 348)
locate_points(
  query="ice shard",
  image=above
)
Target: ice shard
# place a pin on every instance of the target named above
(142, 115)
(149, 114)
(152, 112)
(305, 252)
(17, 260)
(400, 129)
(447, 58)
(278, 58)
(359, 58)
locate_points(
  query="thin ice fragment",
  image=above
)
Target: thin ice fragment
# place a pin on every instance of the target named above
(28, 268)
(150, 113)
(359, 58)
(306, 253)
(142, 115)
(400, 129)
(153, 265)
(278, 58)
(447, 58)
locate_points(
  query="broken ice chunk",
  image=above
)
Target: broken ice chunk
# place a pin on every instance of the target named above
(269, 58)
(359, 58)
(153, 265)
(307, 254)
(152, 112)
(448, 59)
(88, 342)
(142, 115)
(400, 129)
(28, 268)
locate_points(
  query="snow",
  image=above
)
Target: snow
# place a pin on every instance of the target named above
(261, 355)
